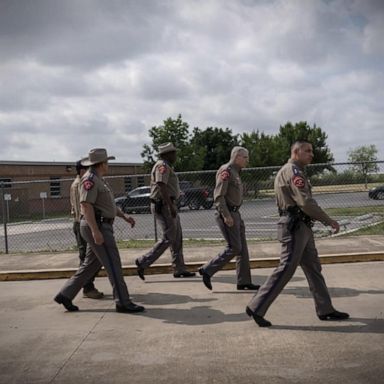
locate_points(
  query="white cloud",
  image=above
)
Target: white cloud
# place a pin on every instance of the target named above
(75, 75)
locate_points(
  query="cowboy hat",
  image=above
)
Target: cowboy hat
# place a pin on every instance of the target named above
(96, 156)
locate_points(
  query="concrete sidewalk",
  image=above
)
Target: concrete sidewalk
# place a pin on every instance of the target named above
(257, 250)
(191, 335)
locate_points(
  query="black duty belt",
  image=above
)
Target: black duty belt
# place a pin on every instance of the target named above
(290, 211)
(233, 208)
(107, 220)
(296, 211)
(100, 219)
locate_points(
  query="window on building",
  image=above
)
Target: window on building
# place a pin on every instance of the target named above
(55, 187)
(5, 182)
(140, 181)
(128, 186)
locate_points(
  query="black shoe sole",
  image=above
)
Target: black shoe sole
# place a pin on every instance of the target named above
(245, 288)
(259, 320)
(206, 279)
(178, 275)
(66, 303)
(332, 318)
(130, 310)
(140, 271)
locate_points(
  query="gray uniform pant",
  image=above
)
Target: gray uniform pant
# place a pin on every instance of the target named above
(236, 246)
(82, 246)
(297, 248)
(172, 237)
(105, 254)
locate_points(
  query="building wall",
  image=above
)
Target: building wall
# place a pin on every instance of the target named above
(25, 182)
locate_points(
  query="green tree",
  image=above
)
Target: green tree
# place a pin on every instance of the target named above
(262, 149)
(275, 150)
(364, 158)
(289, 133)
(177, 132)
(214, 145)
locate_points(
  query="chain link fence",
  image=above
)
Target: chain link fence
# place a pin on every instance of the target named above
(35, 215)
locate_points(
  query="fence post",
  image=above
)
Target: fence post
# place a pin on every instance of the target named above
(155, 226)
(2, 186)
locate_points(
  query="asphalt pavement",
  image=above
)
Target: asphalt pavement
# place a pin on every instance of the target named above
(191, 335)
(260, 217)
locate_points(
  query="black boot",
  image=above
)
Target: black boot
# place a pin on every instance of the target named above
(129, 308)
(140, 270)
(184, 274)
(60, 299)
(248, 287)
(335, 315)
(259, 320)
(206, 279)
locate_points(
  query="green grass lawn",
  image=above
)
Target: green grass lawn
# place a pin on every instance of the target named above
(149, 243)
(355, 211)
(373, 230)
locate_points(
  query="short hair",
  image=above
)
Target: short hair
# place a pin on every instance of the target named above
(299, 143)
(79, 167)
(238, 150)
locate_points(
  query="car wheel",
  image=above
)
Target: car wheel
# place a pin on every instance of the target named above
(194, 205)
(208, 204)
(380, 195)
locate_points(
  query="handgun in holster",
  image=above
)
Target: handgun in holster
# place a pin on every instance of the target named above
(158, 205)
(293, 221)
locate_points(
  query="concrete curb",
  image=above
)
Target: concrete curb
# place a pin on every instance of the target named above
(130, 270)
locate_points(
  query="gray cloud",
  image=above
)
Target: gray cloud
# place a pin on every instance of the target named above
(79, 74)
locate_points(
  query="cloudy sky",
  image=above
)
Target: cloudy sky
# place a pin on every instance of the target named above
(78, 74)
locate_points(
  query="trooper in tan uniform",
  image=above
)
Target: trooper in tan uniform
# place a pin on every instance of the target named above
(98, 214)
(89, 289)
(228, 197)
(164, 194)
(297, 210)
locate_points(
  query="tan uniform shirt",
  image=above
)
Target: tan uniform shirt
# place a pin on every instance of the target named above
(74, 196)
(162, 172)
(292, 188)
(228, 189)
(95, 190)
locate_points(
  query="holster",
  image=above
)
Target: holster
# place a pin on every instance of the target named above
(158, 205)
(293, 220)
(295, 214)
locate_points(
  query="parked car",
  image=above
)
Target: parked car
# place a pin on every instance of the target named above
(136, 200)
(376, 193)
(195, 197)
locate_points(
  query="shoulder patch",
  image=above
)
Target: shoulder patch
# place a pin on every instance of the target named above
(224, 175)
(162, 168)
(88, 183)
(298, 181)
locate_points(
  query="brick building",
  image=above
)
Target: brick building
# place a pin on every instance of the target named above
(28, 185)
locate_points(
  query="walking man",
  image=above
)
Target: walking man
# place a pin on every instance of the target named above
(98, 210)
(89, 289)
(297, 211)
(228, 197)
(165, 191)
